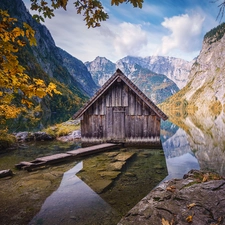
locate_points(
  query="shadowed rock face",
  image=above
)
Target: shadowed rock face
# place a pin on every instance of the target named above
(197, 199)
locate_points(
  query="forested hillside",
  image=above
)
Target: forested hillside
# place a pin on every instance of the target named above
(44, 61)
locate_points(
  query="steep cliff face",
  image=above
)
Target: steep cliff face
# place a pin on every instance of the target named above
(44, 61)
(208, 72)
(79, 72)
(205, 90)
(199, 107)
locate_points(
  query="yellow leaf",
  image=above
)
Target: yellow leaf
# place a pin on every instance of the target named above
(16, 32)
(27, 102)
(171, 188)
(189, 219)
(165, 222)
(39, 82)
(191, 205)
(52, 88)
(21, 43)
(4, 13)
(40, 93)
(205, 177)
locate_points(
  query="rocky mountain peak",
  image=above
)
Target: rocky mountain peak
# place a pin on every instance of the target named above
(101, 69)
(215, 34)
(174, 68)
(156, 86)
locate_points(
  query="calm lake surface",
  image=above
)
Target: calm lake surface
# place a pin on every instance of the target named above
(83, 199)
(98, 190)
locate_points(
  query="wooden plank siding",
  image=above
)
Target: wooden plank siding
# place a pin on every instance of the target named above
(120, 115)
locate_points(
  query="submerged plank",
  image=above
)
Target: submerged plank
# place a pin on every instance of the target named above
(56, 158)
(53, 157)
(92, 149)
(23, 164)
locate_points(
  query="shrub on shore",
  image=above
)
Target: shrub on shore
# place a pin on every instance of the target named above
(62, 129)
(6, 139)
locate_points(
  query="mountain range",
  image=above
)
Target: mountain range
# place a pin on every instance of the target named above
(157, 87)
(175, 69)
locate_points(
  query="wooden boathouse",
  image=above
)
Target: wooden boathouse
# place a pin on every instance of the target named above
(120, 113)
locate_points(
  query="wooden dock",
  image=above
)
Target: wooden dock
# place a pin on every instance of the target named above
(61, 157)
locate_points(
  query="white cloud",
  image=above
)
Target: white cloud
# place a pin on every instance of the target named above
(114, 39)
(129, 39)
(185, 33)
(125, 34)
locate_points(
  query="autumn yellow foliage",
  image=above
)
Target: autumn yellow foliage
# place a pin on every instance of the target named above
(13, 78)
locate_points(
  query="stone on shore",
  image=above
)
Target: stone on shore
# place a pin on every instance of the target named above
(33, 136)
(6, 173)
(197, 199)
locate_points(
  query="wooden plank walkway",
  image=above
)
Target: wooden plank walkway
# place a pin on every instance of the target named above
(56, 158)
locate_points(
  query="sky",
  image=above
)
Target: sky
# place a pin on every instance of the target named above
(162, 27)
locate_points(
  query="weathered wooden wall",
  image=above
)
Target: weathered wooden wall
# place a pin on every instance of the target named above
(120, 115)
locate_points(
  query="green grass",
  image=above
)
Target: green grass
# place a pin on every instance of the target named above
(62, 129)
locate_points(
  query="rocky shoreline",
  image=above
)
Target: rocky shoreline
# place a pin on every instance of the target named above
(198, 199)
(43, 136)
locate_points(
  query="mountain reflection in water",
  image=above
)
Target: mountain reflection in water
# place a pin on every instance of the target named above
(179, 157)
(205, 135)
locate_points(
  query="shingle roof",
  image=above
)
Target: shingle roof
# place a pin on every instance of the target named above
(131, 85)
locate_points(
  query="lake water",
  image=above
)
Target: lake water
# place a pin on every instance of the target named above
(98, 191)
(93, 193)
(81, 198)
